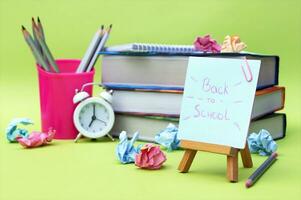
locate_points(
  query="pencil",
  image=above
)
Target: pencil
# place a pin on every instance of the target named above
(35, 36)
(34, 49)
(40, 27)
(90, 51)
(261, 169)
(47, 52)
(99, 48)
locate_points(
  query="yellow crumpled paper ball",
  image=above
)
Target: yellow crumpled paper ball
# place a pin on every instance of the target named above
(233, 44)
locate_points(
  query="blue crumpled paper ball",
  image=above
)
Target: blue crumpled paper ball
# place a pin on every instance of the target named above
(168, 137)
(125, 150)
(12, 130)
(262, 143)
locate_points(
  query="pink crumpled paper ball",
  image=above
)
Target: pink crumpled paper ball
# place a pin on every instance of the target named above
(207, 44)
(36, 139)
(150, 157)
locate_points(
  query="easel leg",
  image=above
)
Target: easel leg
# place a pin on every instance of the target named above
(232, 166)
(186, 160)
(246, 157)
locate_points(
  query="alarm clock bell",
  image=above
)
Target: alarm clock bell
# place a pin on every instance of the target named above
(107, 95)
(79, 96)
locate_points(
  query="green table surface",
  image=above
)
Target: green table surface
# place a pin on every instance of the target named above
(89, 170)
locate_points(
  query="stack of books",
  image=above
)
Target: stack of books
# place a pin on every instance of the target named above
(148, 88)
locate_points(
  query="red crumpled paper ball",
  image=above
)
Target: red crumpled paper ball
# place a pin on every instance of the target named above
(150, 157)
(207, 44)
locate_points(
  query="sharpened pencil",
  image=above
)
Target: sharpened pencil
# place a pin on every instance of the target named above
(29, 40)
(40, 27)
(34, 25)
(99, 48)
(47, 52)
(90, 51)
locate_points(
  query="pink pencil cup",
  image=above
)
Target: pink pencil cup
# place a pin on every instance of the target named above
(56, 94)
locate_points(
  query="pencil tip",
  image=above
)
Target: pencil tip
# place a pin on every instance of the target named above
(32, 19)
(23, 28)
(102, 26)
(39, 19)
(111, 25)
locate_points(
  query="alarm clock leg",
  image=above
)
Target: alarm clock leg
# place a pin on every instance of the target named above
(78, 137)
(110, 136)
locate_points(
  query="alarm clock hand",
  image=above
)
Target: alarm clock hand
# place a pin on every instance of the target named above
(93, 110)
(101, 121)
(91, 122)
(93, 116)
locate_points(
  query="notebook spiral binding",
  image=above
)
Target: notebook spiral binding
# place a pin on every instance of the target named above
(162, 48)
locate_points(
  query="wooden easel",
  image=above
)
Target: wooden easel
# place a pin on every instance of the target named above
(192, 147)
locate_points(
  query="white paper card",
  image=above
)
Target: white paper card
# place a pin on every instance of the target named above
(218, 99)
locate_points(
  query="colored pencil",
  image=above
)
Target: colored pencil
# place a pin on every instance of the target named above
(99, 48)
(34, 49)
(90, 51)
(46, 51)
(261, 169)
(40, 27)
(34, 25)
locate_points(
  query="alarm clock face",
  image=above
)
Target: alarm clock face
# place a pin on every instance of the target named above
(94, 117)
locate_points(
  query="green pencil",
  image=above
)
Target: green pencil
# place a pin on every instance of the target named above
(47, 52)
(35, 36)
(40, 27)
(34, 49)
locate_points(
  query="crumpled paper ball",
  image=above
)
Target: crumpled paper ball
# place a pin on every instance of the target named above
(125, 150)
(233, 44)
(207, 44)
(12, 130)
(150, 157)
(168, 137)
(262, 143)
(36, 139)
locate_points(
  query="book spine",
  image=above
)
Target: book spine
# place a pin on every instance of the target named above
(149, 136)
(151, 115)
(161, 113)
(284, 126)
(117, 86)
(121, 86)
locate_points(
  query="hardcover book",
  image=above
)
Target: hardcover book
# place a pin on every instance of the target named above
(148, 127)
(157, 71)
(168, 103)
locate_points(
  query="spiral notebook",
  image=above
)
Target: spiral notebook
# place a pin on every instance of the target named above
(156, 48)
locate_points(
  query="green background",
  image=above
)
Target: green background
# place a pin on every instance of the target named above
(89, 170)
